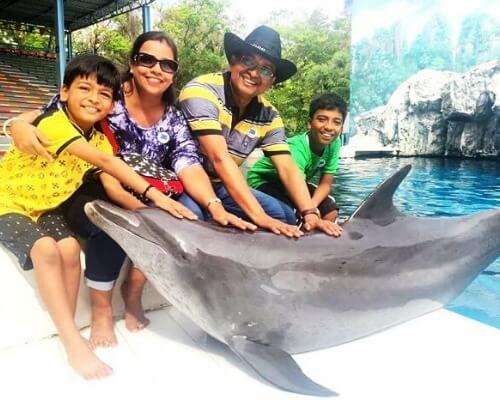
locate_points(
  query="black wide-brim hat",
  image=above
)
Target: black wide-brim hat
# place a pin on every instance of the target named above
(265, 42)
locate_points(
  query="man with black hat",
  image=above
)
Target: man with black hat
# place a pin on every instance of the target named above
(230, 118)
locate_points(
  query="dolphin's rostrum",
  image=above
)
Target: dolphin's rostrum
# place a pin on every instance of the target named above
(267, 296)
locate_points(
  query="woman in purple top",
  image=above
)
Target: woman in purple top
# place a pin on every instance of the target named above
(144, 122)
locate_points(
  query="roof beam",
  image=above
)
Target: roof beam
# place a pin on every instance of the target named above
(78, 14)
(111, 10)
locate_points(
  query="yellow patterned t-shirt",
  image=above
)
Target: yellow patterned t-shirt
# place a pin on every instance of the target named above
(31, 185)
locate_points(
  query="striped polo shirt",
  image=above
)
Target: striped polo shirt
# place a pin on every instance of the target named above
(209, 107)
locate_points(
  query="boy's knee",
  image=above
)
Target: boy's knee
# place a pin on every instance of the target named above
(135, 276)
(70, 250)
(70, 245)
(45, 249)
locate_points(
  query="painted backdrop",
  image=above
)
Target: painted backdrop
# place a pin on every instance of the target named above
(394, 39)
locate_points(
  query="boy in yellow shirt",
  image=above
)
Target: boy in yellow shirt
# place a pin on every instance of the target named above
(32, 188)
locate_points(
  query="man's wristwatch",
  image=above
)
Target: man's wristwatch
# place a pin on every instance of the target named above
(309, 211)
(212, 201)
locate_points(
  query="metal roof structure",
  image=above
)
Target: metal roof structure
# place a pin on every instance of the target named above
(77, 14)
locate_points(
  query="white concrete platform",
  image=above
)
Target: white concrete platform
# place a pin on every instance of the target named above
(24, 319)
(365, 146)
(439, 356)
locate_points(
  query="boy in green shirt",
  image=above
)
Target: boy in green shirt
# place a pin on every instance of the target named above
(315, 151)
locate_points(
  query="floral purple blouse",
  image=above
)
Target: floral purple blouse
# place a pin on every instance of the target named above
(168, 142)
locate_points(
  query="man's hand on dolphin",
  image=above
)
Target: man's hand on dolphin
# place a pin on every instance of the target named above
(222, 217)
(278, 227)
(313, 221)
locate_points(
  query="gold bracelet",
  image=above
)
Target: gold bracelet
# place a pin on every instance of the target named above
(7, 123)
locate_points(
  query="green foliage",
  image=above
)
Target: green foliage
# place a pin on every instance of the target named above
(26, 36)
(197, 27)
(112, 38)
(320, 49)
(378, 69)
(432, 47)
(319, 46)
(478, 41)
(381, 63)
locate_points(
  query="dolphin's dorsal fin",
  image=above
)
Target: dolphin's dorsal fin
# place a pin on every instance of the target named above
(379, 206)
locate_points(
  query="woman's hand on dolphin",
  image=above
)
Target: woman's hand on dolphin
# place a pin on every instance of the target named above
(171, 206)
(222, 217)
(278, 227)
(312, 222)
(29, 139)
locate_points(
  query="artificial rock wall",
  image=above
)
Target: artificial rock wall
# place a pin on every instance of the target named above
(440, 113)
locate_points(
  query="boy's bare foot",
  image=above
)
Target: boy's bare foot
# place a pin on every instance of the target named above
(102, 332)
(135, 319)
(85, 362)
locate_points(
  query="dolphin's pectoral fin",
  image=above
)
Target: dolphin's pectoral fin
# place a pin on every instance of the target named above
(199, 336)
(378, 206)
(276, 366)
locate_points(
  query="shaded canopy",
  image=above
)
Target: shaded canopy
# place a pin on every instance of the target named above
(77, 14)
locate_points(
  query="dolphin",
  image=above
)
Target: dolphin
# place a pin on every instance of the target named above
(268, 296)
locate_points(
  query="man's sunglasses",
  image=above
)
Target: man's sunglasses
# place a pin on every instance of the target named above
(264, 70)
(149, 61)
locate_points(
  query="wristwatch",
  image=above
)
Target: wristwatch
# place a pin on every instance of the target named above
(309, 211)
(212, 201)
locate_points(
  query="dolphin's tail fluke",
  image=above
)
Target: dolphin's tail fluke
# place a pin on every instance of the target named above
(379, 206)
(277, 367)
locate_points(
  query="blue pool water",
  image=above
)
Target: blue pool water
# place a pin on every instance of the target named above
(435, 187)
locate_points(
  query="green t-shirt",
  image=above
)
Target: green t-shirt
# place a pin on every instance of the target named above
(309, 164)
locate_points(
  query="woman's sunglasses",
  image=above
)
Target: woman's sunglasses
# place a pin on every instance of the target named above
(149, 61)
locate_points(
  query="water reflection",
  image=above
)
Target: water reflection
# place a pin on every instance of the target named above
(434, 187)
